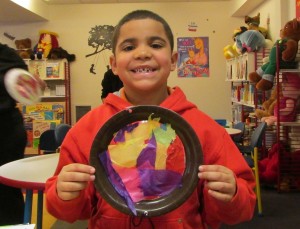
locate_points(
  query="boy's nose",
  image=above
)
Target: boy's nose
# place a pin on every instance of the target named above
(142, 53)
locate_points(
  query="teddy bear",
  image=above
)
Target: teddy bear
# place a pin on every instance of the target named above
(268, 105)
(60, 53)
(23, 48)
(288, 48)
(47, 41)
(288, 105)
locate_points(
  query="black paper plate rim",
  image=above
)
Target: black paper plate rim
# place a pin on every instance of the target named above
(193, 157)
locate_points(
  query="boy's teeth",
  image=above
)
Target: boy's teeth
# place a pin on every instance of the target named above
(143, 70)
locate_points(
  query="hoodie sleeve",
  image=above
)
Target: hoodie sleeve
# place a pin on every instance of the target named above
(79, 208)
(221, 150)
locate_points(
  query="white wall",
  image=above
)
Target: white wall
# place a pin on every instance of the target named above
(73, 22)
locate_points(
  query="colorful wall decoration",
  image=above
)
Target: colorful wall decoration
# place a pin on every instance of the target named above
(193, 57)
(100, 39)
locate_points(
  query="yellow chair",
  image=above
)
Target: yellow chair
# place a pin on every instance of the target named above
(250, 154)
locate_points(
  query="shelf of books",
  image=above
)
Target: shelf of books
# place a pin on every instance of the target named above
(38, 118)
(244, 96)
(54, 107)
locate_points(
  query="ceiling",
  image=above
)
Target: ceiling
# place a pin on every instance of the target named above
(14, 13)
(11, 12)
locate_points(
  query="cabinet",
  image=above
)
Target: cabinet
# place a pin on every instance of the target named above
(54, 107)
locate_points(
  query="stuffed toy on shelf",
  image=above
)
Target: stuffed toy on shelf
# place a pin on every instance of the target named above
(253, 24)
(47, 41)
(231, 51)
(288, 106)
(288, 48)
(268, 105)
(249, 41)
(60, 53)
(23, 48)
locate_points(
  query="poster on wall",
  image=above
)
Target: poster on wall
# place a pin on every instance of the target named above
(193, 59)
(298, 9)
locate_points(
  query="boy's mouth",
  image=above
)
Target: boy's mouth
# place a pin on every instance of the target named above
(143, 70)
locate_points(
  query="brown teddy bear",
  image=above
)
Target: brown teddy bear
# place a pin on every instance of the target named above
(288, 48)
(268, 106)
(23, 48)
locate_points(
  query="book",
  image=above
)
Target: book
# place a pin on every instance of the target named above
(37, 67)
(52, 70)
(40, 117)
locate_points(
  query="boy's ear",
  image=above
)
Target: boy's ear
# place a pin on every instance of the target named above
(112, 61)
(174, 60)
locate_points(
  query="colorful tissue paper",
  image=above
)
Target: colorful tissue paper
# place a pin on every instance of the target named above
(145, 161)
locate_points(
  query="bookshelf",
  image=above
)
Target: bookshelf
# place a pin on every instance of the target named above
(244, 96)
(55, 104)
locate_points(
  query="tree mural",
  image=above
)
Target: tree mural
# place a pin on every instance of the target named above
(100, 39)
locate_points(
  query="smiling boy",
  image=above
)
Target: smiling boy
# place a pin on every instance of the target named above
(143, 57)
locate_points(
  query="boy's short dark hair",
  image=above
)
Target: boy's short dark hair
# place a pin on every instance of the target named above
(142, 14)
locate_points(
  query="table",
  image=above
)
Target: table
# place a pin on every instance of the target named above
(233, 131)
(30, 174)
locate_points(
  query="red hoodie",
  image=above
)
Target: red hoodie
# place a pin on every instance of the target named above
(217, 147)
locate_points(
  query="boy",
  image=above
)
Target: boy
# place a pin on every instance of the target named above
(143, 58)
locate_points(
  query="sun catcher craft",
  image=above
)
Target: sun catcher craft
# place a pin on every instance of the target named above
(146, 160)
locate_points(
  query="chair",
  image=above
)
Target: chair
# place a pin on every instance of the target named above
(221, 122)
(60, 132)
(239, 138)
(50, 140)
(47, 143)
(251, 156)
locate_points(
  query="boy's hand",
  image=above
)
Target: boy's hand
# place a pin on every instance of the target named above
(72, 179)
(219, 180)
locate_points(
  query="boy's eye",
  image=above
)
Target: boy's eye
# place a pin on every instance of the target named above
(156, 45)
(128, 48)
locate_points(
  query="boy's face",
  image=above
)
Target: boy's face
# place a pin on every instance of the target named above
(143, 58)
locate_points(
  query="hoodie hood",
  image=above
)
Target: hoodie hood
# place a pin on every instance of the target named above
(177, 102)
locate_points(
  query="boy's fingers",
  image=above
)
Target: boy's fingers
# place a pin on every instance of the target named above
(76, 167)
(72, 186)
(213, 168)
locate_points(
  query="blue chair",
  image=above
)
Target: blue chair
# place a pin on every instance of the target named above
(50, 140)
(47, 142)
(60, 132)
(239, 138)
(221, 122)
(250, 154)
